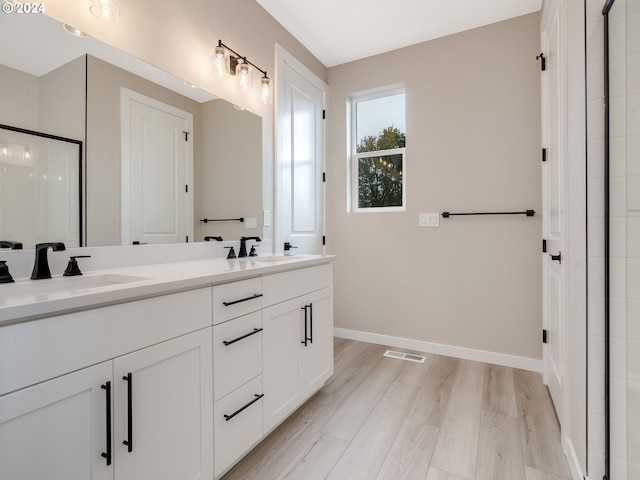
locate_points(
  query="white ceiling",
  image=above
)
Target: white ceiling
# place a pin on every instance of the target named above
(340, 31)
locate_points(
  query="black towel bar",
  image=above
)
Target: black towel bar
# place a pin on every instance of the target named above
(528, 213)
(207, 220)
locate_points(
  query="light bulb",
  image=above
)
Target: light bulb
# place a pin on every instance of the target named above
(243, 74)
(107, 10)
(266, 90)
(27, 153)
(220, 58)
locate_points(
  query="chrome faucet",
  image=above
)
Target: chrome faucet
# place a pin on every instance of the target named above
(243, 245)
(41, 265)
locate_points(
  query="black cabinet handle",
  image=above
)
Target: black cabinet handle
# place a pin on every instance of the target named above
(257, 397)
(255, 330)
(129, 441)
(255, 295)
(557, 258)
(306, 338)
(311, 323)
(107, 455)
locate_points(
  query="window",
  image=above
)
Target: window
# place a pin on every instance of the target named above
(378, 152)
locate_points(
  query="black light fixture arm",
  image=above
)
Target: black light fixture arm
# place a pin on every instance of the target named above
(244, 59)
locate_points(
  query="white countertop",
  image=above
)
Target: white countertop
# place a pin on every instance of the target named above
(31, 299)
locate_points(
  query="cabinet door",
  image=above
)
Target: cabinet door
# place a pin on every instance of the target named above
(163, 399)
(57, 430)
(316, 355)
(282, 337)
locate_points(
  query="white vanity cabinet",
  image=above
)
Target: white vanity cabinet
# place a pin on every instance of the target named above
(298, 339)
(57, 429)
(73, 424)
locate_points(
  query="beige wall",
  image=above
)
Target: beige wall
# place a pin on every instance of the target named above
(178, 37)
(103, 143)
(473, 144)
(230, 171)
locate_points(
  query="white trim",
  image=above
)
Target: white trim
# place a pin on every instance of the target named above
(524, 363)
(572, 460)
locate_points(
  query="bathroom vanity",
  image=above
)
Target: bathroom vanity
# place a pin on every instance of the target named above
(160, 371)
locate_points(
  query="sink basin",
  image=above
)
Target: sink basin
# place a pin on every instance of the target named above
(64, 285)
(268, 259)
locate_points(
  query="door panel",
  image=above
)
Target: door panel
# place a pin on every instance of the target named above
(171, 409)
(554, 122)
(157, 166)
(300, 157)
(56, 430)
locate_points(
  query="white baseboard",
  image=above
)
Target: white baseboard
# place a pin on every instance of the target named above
(505, 360)
(572, 460)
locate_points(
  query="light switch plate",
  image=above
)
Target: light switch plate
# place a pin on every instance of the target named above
(429, 220)
(266, 218)
(251, 223)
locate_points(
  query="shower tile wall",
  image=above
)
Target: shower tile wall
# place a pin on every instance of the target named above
(621, 280)
(633, 236)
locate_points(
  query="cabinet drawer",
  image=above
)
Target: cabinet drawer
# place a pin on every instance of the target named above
(235, 299)
(280, 287)
(237, 353)
(236, 434)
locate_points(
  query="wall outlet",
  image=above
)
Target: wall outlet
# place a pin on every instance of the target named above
(429, 220)
(251, 223)
(266, 218)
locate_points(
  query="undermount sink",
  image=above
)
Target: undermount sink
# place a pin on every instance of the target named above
(268, 259)
(64, 285)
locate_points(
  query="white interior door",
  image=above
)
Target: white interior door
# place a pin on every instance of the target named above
(554, 221)
(157, 171)
(300, 152)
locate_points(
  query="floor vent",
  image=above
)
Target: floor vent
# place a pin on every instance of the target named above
(405, 356)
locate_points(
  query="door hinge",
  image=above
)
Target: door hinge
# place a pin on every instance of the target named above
(544, 246)
(186, 136)
(324, 239)
(324, 114)
(545, 336)
(324, 176)
(543, 61)
(544, 154)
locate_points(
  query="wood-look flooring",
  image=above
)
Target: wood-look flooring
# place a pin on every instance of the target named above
(382, 418)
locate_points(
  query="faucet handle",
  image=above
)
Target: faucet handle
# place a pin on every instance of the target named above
(72, 267)
(252, 252)
(232, 253)
(5, 276)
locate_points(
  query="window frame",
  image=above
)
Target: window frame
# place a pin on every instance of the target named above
(354, 157)
(355, 184)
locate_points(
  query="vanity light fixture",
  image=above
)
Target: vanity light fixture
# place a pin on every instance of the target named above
(107, 10)
(228, 62)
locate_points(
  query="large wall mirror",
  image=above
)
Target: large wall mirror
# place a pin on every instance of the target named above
(127, 115)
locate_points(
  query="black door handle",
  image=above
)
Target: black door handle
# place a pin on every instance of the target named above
(557, 258)
(129, 441)
(107, 455)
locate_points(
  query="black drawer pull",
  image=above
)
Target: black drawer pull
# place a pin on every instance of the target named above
(107, 455)
(255, 330)
(229, 417)
(255, 295)
(129, 441)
